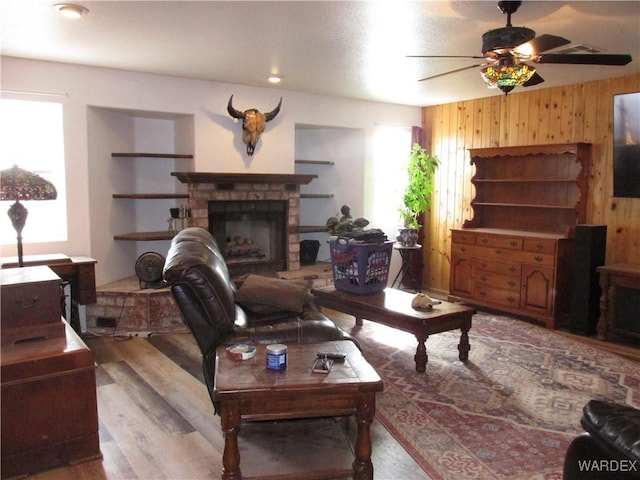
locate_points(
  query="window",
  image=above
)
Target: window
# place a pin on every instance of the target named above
(31, 137)
(392, 146)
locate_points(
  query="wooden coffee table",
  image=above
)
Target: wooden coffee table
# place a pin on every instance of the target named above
(245, 390)
(392, 307)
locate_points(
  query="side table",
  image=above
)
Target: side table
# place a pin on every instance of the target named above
(407, 273)
(611, 276)
(246, 391)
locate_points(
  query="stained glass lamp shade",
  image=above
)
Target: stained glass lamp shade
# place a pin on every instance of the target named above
(18, 184)
(507, 75)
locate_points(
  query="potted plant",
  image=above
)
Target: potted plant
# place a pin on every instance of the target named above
(417, 195)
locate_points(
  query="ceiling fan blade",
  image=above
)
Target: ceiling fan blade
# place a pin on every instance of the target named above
(535, 79)
(445, 56)
(546, 42)
(583, 58)
(450, 72)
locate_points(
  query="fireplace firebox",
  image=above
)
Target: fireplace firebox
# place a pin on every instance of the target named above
(252, 234)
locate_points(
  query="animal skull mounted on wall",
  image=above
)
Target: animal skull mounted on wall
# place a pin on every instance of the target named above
(253, 123)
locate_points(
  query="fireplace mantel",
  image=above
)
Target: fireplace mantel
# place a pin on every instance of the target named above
(207, 177)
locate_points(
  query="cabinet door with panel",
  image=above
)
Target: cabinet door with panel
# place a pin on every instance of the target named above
(461, 275)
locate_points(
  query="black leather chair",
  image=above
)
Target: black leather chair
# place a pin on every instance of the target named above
(206, 295)
(610, 446)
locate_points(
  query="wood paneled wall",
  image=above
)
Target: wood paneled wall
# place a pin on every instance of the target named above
(574, 113)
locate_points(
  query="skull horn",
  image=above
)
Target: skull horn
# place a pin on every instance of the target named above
(272, 114)
(233, 112)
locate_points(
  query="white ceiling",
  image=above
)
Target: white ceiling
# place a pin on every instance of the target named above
(342, 48)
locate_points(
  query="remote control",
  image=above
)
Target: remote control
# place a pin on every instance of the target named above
(332, 355)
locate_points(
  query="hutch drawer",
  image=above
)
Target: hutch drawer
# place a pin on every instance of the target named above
(541, 245)
(497, 297)
(505, 282)
(499, 241)
(491, 265)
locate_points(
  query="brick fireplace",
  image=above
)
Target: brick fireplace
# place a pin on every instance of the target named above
(155, 310)
(224, 187)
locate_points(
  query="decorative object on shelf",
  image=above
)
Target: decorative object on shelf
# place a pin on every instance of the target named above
(149, 267)
(18, 184)
(253, 123)
(417, 195)
(178, 213)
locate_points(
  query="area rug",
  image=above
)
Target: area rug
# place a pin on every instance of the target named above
(509, 412)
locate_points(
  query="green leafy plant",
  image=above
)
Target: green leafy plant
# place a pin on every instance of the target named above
(417, 196)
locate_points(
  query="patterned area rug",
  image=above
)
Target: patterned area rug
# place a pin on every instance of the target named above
(509, 412)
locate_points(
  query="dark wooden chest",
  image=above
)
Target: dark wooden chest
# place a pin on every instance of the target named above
(30, 304)
(48, 404)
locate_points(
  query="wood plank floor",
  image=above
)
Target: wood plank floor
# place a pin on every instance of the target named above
(157, 422)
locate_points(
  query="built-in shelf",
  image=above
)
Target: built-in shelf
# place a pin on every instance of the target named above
(145, 236)
(154, 196)
(314, 162)
(149, 236)
(522, 205)
(152, 155)
(524, 180)
(311, 228)
(316, 195)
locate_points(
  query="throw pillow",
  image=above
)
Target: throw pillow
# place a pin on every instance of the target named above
(267, 295)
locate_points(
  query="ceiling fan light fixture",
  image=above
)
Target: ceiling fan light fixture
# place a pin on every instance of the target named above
(502, 40)
(70, 10)
(507, 75)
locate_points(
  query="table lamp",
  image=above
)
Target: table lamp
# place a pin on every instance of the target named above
(18, 184)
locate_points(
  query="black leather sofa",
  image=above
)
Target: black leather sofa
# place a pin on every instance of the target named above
(610, 446)
(272, 310)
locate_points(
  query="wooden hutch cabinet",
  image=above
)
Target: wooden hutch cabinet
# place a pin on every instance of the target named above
(516, 253)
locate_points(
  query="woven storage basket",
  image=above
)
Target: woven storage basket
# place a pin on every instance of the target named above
(360, 268)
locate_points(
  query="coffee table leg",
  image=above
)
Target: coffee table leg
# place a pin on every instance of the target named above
(230, 421)
(362, 466)
(463, 346)
(421, 357)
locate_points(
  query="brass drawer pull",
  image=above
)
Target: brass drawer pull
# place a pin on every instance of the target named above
(511, 299)
(484, 240)
(539, 246)
(483, 265)
(538, 258)
(512, 283)
(513, 269)
(483, 278)
(513, 243)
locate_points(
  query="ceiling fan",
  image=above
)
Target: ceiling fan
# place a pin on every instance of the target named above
(505, 51)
